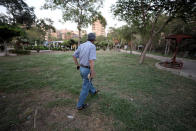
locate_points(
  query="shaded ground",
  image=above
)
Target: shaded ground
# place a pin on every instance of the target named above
(53, 109)
(132, 97)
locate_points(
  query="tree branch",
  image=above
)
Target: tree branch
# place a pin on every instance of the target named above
(71, 5)
(166, 22)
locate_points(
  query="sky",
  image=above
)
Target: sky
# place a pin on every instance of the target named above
(56, 15)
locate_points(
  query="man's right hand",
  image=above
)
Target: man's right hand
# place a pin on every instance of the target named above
(92, 74)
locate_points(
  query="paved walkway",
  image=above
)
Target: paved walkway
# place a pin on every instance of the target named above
(188, 70)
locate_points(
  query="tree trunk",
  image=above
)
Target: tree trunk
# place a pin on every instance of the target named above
(153, 33)
(130, 47)
(150, 48)
(79, 31)
(145, 49)
(6, 52)
(166, 47)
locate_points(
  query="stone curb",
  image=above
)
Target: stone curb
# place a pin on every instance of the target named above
(176, 71)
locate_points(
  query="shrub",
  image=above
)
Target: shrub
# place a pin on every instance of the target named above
(46, 48)
(29, 48)
(56, 48)
(41, 48)
(20, 52)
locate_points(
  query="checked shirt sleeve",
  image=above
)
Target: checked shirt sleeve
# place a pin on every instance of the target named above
(92, 55)
(77, 52)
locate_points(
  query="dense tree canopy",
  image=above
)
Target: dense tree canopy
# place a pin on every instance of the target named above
(145, 14)
(8, 32)
(18, 12)
(20, 21)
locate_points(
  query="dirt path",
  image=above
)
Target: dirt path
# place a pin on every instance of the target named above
(46, 109)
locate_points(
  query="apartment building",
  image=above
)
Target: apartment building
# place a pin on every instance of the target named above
(98, 28)
(63, 34)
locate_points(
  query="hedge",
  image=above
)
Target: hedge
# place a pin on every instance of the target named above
(20, 52)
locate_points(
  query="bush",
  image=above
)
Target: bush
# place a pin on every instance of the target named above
(56, 48)
(46, 48)
(20, 52)
(29, 48)
(36, 48)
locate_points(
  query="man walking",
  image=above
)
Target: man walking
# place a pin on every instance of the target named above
(86, 53)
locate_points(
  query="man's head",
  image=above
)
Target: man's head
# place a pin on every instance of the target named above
(91, 37)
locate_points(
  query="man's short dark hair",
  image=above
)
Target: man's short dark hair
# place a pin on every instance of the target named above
(91, 37)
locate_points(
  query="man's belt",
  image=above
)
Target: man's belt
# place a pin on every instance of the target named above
(85, 66)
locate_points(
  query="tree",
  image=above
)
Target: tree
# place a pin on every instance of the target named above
(123, 35)
(178, 26)
(43, 26)
(115, 35)
(145, 14)
(38, 33)
(82, 12)
(18, 13)
(84, 38)
(128, 35)
(69, 43)
(34, 34)
(7, 33)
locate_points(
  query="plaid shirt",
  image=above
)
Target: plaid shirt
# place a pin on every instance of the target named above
(85, 52)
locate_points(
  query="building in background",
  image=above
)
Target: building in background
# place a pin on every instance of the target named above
(63, 34)
(98, 28)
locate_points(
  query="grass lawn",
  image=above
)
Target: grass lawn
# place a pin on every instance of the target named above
(42, 91)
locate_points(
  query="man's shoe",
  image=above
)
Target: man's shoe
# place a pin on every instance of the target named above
(82, 107)
(96, 92)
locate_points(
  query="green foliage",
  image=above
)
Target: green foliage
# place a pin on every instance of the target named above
(8, 32)
(23, 15)
(101, 19)
(115, 34)
(20, 52)
(38, 32)
(20, 12)
(100, 38)
(66, 43)
(104, 44)
(177, 26)
(35, 47)
(140, 12)
(84, 38)
(82, 12)
(45, 25)
(123, 35)
(69, 43)
(34, 34)
(143, 14)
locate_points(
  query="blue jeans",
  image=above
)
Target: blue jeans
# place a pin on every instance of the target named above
(87, 86)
